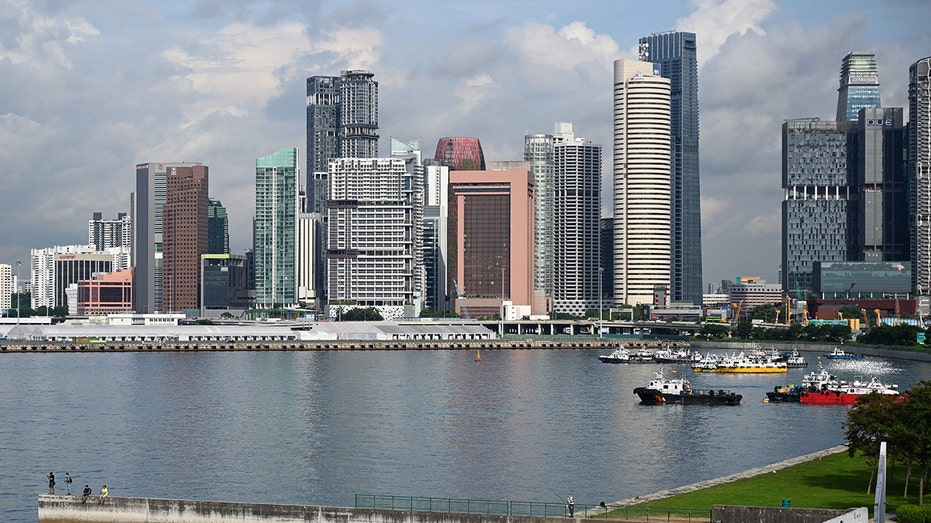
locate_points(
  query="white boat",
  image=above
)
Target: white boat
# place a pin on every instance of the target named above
(620, 355)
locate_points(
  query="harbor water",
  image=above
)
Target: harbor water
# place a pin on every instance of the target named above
(320, 427)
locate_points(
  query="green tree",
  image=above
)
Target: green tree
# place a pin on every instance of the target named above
(366, 314)
(713, 331)
(850, 312)
(915, 425)
(766, 312)
(871, 421)
(744, 328)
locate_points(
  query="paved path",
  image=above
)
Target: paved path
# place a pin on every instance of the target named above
(727, 479)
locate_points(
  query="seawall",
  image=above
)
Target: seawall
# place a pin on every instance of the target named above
(62, 509)
(173, 346)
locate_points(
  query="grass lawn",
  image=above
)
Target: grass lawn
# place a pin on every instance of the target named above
(835, 481)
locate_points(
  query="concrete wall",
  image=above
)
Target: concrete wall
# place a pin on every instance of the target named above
(738, 514)
(61, 509)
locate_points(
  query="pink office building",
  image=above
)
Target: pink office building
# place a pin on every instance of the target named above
(107, 293)
(460, 153)
(491, 219)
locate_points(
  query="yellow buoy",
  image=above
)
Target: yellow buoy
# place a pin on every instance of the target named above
(478, 356)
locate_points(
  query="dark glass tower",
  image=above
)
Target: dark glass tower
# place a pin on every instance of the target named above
(676, 53)
(859, 86)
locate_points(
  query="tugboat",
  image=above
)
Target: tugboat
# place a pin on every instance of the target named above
(847, 393)
(662, 390)
(620, 355)
(812, 382)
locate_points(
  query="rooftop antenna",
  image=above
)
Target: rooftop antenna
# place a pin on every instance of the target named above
(644, 51)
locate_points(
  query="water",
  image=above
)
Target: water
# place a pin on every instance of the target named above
(317, 428)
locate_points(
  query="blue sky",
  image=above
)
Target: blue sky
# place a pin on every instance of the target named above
(90, 90)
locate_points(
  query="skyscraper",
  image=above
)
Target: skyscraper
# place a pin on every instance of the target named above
(372, 236)
(275, 229)
(675, 52)
(185, 239)
(576, 222)
(919, 168)
(818, 210)
(859, 86)
(342, 122)
(491, 233)
(106, 234)
(460, 153)
(641, 170)
(147, 234)
(538, 151)
(882, 187)
(218, 237)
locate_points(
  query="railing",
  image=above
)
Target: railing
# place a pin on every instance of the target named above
(530, 509)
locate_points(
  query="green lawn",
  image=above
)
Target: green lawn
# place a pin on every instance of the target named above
(835, 481)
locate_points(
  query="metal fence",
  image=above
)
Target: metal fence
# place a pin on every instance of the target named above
(530, 508)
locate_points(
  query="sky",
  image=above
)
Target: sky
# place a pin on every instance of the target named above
(88, 90)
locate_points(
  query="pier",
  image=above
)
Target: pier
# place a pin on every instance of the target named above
(297, 345)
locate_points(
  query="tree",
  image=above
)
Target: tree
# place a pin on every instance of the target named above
(744, 328)
(869, 422)
(366, 314)
(766, 312)
(851, 312)
(915, 424)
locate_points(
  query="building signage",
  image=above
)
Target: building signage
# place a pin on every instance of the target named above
(657, 69)
(879, 122)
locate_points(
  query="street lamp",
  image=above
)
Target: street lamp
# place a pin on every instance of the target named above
(600, 291)
(19, 330)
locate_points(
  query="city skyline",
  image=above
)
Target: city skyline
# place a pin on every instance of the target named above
(225, 84)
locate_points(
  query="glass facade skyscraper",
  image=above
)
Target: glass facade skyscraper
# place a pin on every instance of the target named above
(218, 236)
(275, 229)
(818, 207)
(859, 86)
(675, 52)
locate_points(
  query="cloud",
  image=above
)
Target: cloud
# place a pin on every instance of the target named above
(37, 41)
(717, 20)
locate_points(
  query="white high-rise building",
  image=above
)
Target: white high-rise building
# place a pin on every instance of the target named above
(919, 167)
(435, 235)
(642, 178)
(106, 233)
(6, 286)
(373, 236)
(309, 247)
(576, 214)
(55, 268)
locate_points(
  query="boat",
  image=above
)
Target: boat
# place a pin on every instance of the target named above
(754, 363)
(668, 355)
(661, 390)
(847, 393)
(840, 354)
(811, 382)
(794, 360)
(620, 355)
(642, 356)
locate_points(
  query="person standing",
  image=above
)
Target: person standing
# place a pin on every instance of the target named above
(51, 482)
(103, 494)
(68, 482)
(570, 505)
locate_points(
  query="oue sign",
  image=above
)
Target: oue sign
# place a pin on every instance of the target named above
(879, 122)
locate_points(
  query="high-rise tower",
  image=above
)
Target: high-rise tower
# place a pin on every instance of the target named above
(859, 86)
(675, 52)
(219, 228)
(538, 151)
(919, 168)
(642, 158)
(818, 210)
(185, 232)
(460, 153)
(576, 214)
(148, 202)
(276, 212)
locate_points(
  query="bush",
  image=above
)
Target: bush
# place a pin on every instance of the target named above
(913, 514)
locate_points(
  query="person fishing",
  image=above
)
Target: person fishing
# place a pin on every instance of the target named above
(570, 506)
